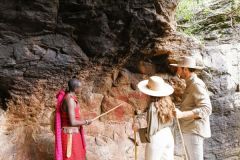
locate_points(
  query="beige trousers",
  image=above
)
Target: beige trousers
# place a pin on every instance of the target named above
(194, 146)
(161, 146)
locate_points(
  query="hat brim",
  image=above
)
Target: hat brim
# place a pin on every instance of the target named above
(166, 89)
(194, 67)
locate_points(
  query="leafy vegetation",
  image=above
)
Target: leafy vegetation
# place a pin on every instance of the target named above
(196, 16)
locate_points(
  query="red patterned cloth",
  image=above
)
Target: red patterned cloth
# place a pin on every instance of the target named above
(58, 126)
(78, 141)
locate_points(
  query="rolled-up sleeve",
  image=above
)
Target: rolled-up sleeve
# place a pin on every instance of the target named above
(202, 101)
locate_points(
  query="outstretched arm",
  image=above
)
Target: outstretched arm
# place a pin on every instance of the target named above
(185, 114)
(71, 104)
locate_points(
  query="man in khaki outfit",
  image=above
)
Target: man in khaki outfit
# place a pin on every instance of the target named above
(195, 109)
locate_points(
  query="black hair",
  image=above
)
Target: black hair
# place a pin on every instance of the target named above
(73, 84)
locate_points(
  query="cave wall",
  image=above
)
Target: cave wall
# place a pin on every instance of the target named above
(220, 32)
(110, 46)
(224, 61)
(45, 43)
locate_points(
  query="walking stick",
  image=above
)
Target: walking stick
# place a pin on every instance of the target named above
(181, 135)
(106, 112)
(135, 144)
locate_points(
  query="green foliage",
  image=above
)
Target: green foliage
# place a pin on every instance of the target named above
(236, 11)
(186, 9)
(205, 16)
(185, 15)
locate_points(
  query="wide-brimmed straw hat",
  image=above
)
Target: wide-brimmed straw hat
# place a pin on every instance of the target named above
(155, 86)
(188, 62)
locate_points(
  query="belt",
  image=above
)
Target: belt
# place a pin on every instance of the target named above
(70, 130)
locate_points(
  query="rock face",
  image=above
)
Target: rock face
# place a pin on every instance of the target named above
(219, 26)
(110, 46)
(224, 63)
(44, 44)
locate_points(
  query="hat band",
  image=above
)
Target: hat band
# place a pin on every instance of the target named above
(183, 63)
(154, 88)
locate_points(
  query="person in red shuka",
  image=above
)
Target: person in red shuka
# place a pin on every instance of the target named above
(73, 142)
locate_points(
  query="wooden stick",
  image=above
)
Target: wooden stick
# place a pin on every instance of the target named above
(135, 145)
(183, 143)
(181, 135)
(69, 145)
(106, 112)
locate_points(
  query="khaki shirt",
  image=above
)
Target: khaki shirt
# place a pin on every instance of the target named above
(153, 122)
(196, 99)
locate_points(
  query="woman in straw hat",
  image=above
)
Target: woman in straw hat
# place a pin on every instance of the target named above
(160, 142)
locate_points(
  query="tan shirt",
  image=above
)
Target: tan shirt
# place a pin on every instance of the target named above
(153, 122)
(196, 99)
